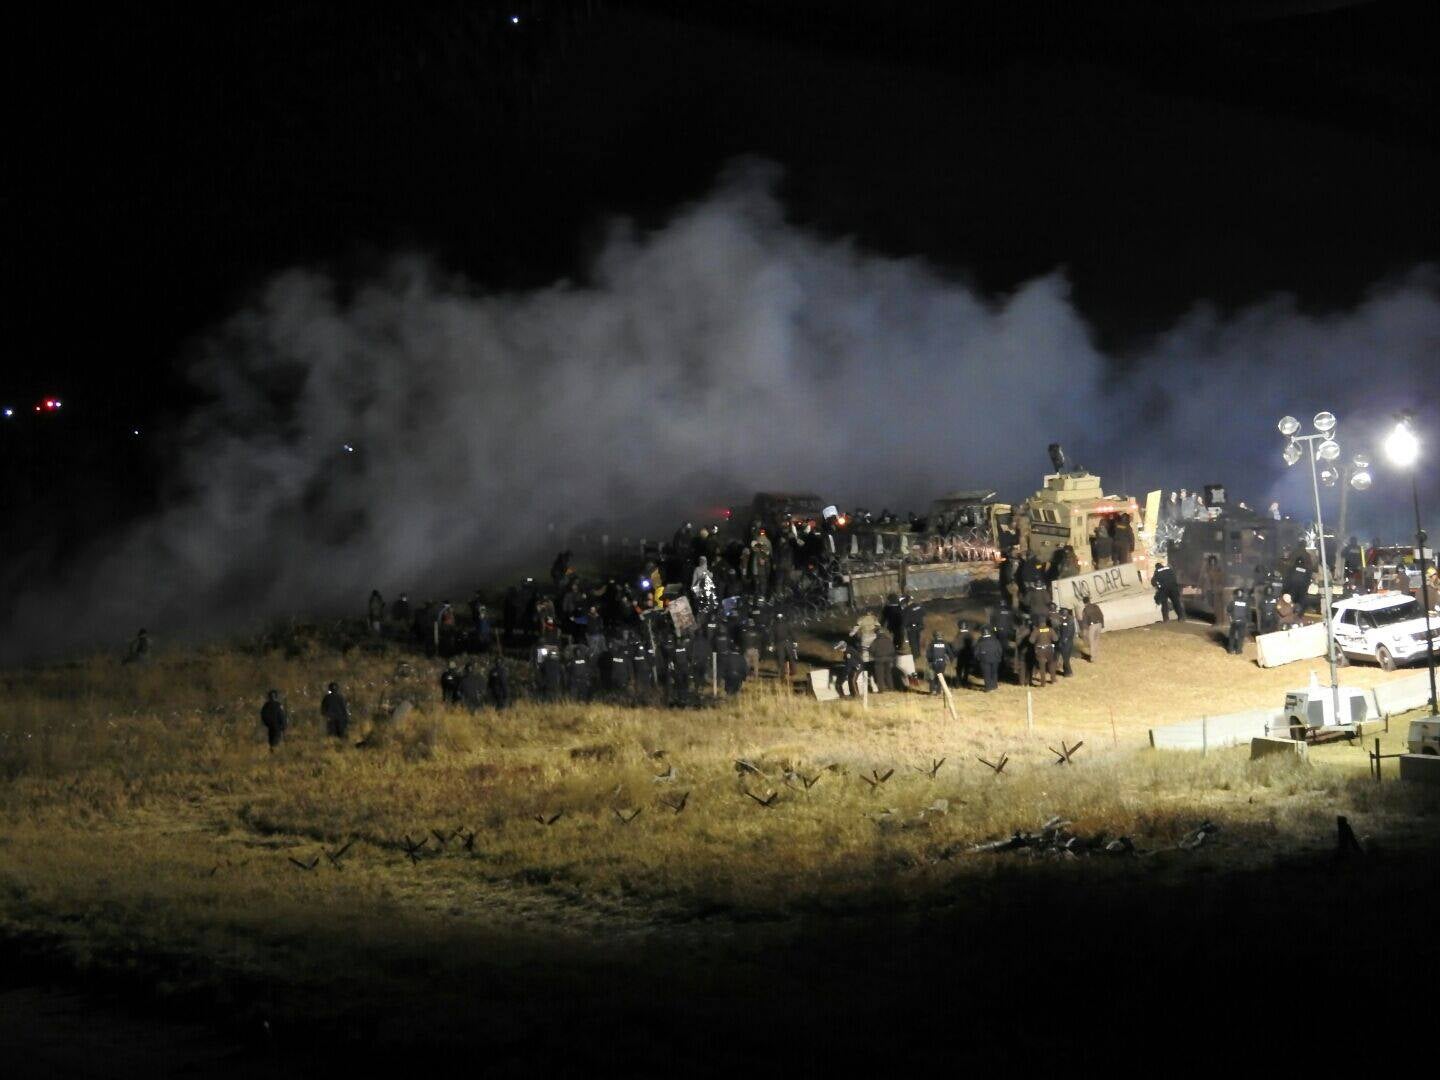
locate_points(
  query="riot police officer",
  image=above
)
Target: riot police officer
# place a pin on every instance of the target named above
(1020, 654)
(1269, 611)
(679, 670)
(450, 684)
(1042, 651)
(1003, 620)
(732, 669)
(914, 624)
(938, 655)
(1238, 612)
(552, 672)
(1062, 620)
(578, 675)
(617, 665)
(964, 650)
(642, 665)
(988, 654)
(1167, 592)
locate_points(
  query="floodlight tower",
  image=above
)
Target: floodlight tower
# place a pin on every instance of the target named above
(1327, 451)
(1402, 447)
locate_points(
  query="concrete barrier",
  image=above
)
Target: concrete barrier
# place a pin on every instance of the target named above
(1212, 732)
(820, 685)
(828, 685)
(1121, 592)
(1420, 768)
(1402, 695)
(1288, 646)
(1271, 747)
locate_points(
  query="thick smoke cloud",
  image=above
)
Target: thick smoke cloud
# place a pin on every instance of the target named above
(725, 352)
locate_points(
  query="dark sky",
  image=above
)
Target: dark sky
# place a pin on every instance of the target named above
(162, 160)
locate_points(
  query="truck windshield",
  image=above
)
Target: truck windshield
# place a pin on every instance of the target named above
(1389, 616)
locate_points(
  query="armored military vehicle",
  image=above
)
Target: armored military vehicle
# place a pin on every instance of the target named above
(1249, 548)
(1068, 509)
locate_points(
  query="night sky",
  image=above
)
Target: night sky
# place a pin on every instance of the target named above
(164, 160)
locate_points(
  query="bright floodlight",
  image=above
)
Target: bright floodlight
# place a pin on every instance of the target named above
(1324, 422)
(1402, 447)
(1292, 453)
(1289, 425)
(1360, 481)
(1328, 450)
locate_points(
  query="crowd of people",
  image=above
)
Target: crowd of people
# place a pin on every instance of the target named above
(708, 612)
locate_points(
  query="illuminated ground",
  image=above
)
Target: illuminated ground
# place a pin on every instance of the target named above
(152, 843)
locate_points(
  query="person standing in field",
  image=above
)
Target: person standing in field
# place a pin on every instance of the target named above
(274, 717)
(139, 648)
(882, 659)
(471, 688)
(750, 641)
(449, 684)
(1213, 581)
(1167, 592)
(1122, 541)
(1238, 612)
(335, 711)
(787, 649)
(854, 666)
(963, 649)
(1062, 621)
(499, 684)
(1092, 622)
(1042, 650)
(988, 654)
(938, 657)
(1100, 547)
(914, 613)
(375, 611)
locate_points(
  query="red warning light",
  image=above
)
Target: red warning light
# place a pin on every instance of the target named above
(49, 404)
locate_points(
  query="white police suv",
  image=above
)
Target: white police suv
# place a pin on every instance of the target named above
(1387, 627)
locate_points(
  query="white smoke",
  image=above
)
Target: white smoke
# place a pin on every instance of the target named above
(727, 351)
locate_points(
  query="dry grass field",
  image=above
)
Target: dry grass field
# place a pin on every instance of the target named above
(148, 834)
